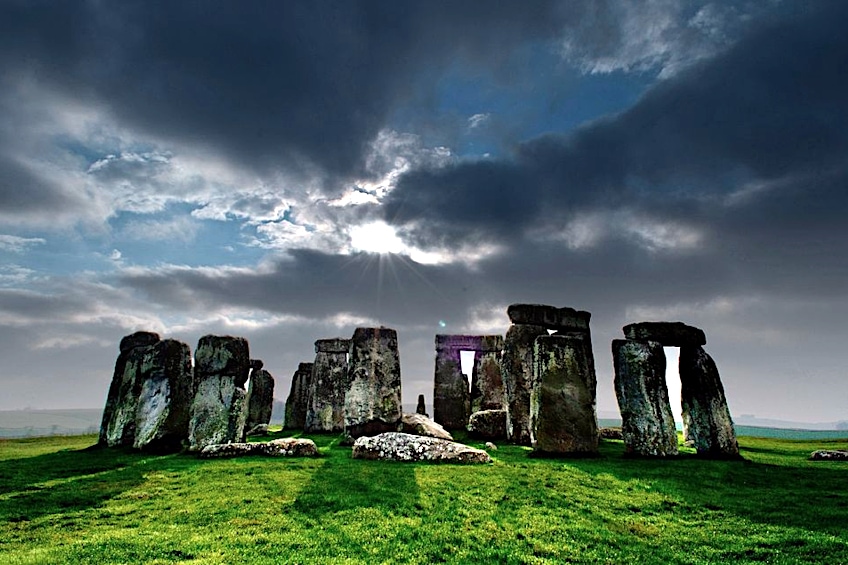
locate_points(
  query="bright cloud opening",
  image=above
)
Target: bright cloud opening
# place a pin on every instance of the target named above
(376, 237)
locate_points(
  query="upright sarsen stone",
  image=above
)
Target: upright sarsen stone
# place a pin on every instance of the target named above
(517, 372)
(451, 396)
(706, 417)
(373, 399)
(327, 387)
(487, 388)
(563, 420)
(219, 408)
(298, 400)
(260, 398)
(647, 424)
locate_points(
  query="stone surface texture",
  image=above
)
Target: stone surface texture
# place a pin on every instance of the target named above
(420, 425)
(451, 395)
(298, 399)
(285, 447)
(219, 408)
(707, 424)
(373, 398)
(829, 455)
(325, 409)
(647, 424)
(551, 317)
(260, 398)
(487, 388)
(517, 372)
(563, 420)
(394, 446)
(488, 424)
(669, 334)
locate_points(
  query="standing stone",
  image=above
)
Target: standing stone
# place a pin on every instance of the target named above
(373, 399)
(164, 401)
(117, 427)
(706, 417)
(329, 381)
(260, 399)
(451, 397)
(422, 407)
(563, 420)
(517, 372)
(647, 425)
(487, 388)
(219, 409)
(298, 399)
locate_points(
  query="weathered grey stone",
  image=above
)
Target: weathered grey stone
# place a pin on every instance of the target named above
(487, 388)
(138, 339)
(219, 408)
(517, 373)
(260, 398)
(488, 424)
(562, 399)
(647, 424)
(284, 447)
(373, 398)
(329, 382)
(669, 334)
(451, 398)
(706, 417)
(610, 433)
(420, 425)
(550, 317)
(829, 455)
(258, 430)
(490, 446)
(421, 408)
(164, 401)
(256, 364)
(298, 399)
(394, 446)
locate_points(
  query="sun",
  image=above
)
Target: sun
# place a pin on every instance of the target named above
(375, 237)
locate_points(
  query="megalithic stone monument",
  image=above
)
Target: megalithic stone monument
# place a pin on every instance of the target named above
(298, 400)
(647, 424)
(327, 387)
(260, 396)
(487, 388)
(563, 420)
(373, 398)
(219, 408)
(451, 395)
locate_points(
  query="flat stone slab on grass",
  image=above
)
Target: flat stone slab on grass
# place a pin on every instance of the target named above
(420, 425)
(829, 455)
(284, 447)
(396, 446)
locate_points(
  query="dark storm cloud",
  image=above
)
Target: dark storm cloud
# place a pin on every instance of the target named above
(769, 109)
(273, 84)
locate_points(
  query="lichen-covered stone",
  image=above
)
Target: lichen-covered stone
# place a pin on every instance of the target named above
(610, 433)
(487, 424)
(550, 317)
(517, 373)
(487, 388)
(829, 455)
(420, 425)
(707, 424)
(451, 397)
(373, 398)
(298, 399)
(330, 381)
(394, 446)
(219, 408)
(284, 447)
(562, 400)
(669, 334)
(138, 339)
(647, 424)
(260, 398)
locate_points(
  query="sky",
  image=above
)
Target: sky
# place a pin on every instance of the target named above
(289, 171)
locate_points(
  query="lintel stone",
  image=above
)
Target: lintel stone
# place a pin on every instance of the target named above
(550, 317)
(669, 334)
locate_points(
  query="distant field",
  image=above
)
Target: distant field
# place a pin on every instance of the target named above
(61, 502)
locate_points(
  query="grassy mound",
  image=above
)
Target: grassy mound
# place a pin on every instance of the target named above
(63, 503)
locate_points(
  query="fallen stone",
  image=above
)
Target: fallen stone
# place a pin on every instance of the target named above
(488, 424)
(517, 372)
(373, 398)
(258, 430)
(395, 446)
(420, 425)
(562, 400)
(284, 447)
(829, 455)
(610, 433)
(647, 425)
(491, 446)
(669, 334)
(551, 317)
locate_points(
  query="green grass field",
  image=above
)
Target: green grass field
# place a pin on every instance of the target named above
(63, 503)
